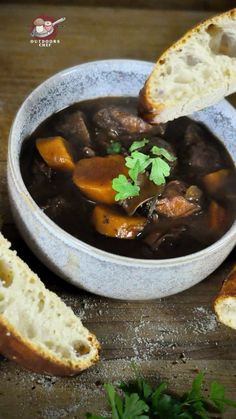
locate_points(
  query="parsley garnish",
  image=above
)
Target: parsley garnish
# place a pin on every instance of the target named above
(114, 147)
(140, 400)
(159, 151)
(124, 188)
(160, 169)
(157, 169)
(138, 144)
(135, 170)
(137, 163)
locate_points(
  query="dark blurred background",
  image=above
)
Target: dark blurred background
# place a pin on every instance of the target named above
(207, 5)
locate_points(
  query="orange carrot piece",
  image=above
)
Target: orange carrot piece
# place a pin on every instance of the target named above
(109, 222)
(217, 216)
(55, 152)
(94, 176)
(215, 180)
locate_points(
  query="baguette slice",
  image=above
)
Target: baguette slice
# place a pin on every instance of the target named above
(225, 302)
(195, 72)
(37, 329)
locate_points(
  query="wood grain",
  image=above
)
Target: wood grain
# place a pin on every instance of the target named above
(220, 5)
(170, 338)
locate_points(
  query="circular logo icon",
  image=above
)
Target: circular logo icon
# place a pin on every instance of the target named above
(45, 27)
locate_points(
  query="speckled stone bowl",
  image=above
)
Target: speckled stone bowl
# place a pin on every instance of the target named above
(79, 263)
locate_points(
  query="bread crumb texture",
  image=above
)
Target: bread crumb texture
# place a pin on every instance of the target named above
(225, 302)
(197, 70)
(38, 318)
(226, 311)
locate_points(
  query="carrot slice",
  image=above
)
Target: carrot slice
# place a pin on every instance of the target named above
(55, 152)
(94, 176)
(110, 222)
(217, 216)
(215, 180)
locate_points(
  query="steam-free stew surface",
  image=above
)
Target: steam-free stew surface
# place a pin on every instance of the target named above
(203, 179)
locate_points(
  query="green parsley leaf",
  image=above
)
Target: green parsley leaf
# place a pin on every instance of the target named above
(160, 169)
(139, 386)
(159, 151)
(134, 407)
(217, 395)
(129, 407)
(165, 406)
(114, 147)
(124, 188)
(143, 159)
(115, 401)
(157, 393)
(139, 398)
(229, 402)
(198, 408)
(145, 388)
(133, 173)
(195, 392)
(184, 415)
(137, 163)
(138, 144)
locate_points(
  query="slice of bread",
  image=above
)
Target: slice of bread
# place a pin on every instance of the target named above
(195, 72)
(225, 302)
(37, 329)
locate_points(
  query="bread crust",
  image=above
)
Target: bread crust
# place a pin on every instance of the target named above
(156, 112)
(145, 107)
(32, 355)
(228, 288)
(27, 354)
(227, 292)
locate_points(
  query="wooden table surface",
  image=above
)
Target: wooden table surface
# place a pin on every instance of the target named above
(168, 339)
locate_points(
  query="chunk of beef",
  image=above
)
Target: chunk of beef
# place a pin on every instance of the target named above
(88, 152)
(118, 121)
(158, 237)
(40, 170)
(73, 126)
(198, 154)
(178, 206)
(104, 142)
(173, 189)
(40, 175)
(178, 200)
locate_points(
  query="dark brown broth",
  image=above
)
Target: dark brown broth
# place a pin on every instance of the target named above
(62, 201)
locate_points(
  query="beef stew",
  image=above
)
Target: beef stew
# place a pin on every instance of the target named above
(127, 187)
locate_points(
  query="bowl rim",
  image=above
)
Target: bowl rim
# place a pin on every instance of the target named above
(66, 237)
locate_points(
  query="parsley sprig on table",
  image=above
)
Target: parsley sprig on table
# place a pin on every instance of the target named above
(138, 400)
(156, 163)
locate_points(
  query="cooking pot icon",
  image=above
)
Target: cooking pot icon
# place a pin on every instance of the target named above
(43, 28)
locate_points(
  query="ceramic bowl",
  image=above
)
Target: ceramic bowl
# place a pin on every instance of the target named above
(85, 266)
